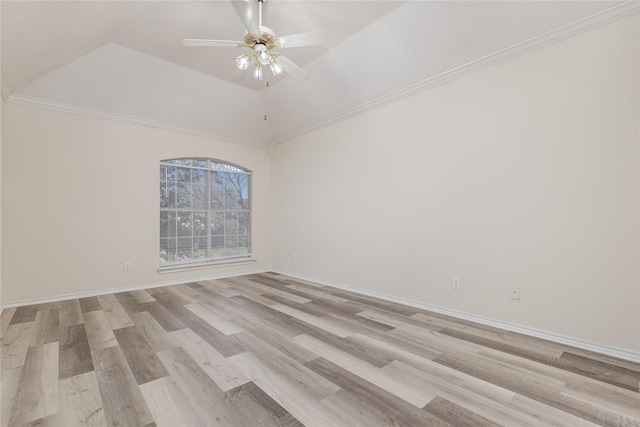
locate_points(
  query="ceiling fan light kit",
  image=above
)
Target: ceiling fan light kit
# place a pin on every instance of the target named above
(263, 40)
(243, 62)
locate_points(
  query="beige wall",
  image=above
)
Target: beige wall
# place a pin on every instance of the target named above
(523, 174)
(1, 113)
(80, 197)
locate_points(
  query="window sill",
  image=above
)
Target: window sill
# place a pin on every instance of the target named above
(202, 265)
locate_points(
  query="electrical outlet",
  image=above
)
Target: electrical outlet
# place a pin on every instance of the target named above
(514, 293)
(455, 283)
(294, 257)
(127, 267)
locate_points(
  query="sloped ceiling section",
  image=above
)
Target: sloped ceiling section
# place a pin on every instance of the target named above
(125, 59)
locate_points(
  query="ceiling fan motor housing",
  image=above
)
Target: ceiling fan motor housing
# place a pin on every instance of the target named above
(267, 38)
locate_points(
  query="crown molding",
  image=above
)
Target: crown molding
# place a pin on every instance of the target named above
(5, 90)
(18, 98)
(612, 14)
(632, 356)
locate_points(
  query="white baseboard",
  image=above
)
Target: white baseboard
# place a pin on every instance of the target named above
(549, 336)
(130, 288)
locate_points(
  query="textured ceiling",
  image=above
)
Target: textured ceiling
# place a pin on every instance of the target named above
(126, 58)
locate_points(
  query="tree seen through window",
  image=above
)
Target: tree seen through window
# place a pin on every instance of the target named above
(204, 211)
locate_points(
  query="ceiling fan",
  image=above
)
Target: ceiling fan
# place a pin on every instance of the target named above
(263, 41)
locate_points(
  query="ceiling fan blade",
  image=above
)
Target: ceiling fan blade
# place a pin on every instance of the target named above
(303, 39)
(292, 68)
(247, 12)
(219, 43)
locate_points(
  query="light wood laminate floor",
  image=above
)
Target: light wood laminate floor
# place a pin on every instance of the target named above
(268, 349)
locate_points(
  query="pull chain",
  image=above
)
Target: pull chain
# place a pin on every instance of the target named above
(265, 99)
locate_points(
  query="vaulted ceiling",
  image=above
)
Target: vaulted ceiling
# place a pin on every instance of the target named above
(126, 60)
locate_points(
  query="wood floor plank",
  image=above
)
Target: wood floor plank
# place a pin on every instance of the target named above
(192, 290)
(121, 396)
(163, 316)
(247, 294)
(619, 376)
(290, 394)
(357, 324)
(548, 414)
(70, 313)
(15, 343)
(287, 367)
(10, 380)
(37, 393)
(277, 414)
(383, 318)
(210, 403)
(153, 333)
(117, 316)
(24, 314)
(142, 296)
(457, 415)
(315, 294)
(5, 319)
(601, 371)
(435, 340)
(626, 405)
(542, 389)
(128, 303)
(634, 366)
(216, 366)
(472, 403)
(89, 304)
(257, 407)
(140, 356)
(168, 405)
(222, 288)
(390, 409)
(243, 308)
(313, 308)
(99, 333)
(605, 392)
(226, 345)
(442, 373)
(176, 294)
(220, 285)
(46, 327)
(75, 354)
(410, 393)
(262, 290)
(363, 353)
(445, 323)
(276, 337)
(79, 404)
(223, 325)
(319, 322)
(200, 390)
(348, 405)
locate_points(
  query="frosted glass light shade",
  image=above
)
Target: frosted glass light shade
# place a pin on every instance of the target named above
(243, 62)
(258, 72)
(276, 68)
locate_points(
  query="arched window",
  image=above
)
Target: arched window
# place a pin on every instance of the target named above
(205, 212)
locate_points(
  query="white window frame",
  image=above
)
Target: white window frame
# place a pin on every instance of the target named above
(218, 215)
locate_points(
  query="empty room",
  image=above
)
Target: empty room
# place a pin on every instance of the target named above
(320, 213)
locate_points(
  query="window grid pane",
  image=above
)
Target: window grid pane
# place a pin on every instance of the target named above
(204, 211)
